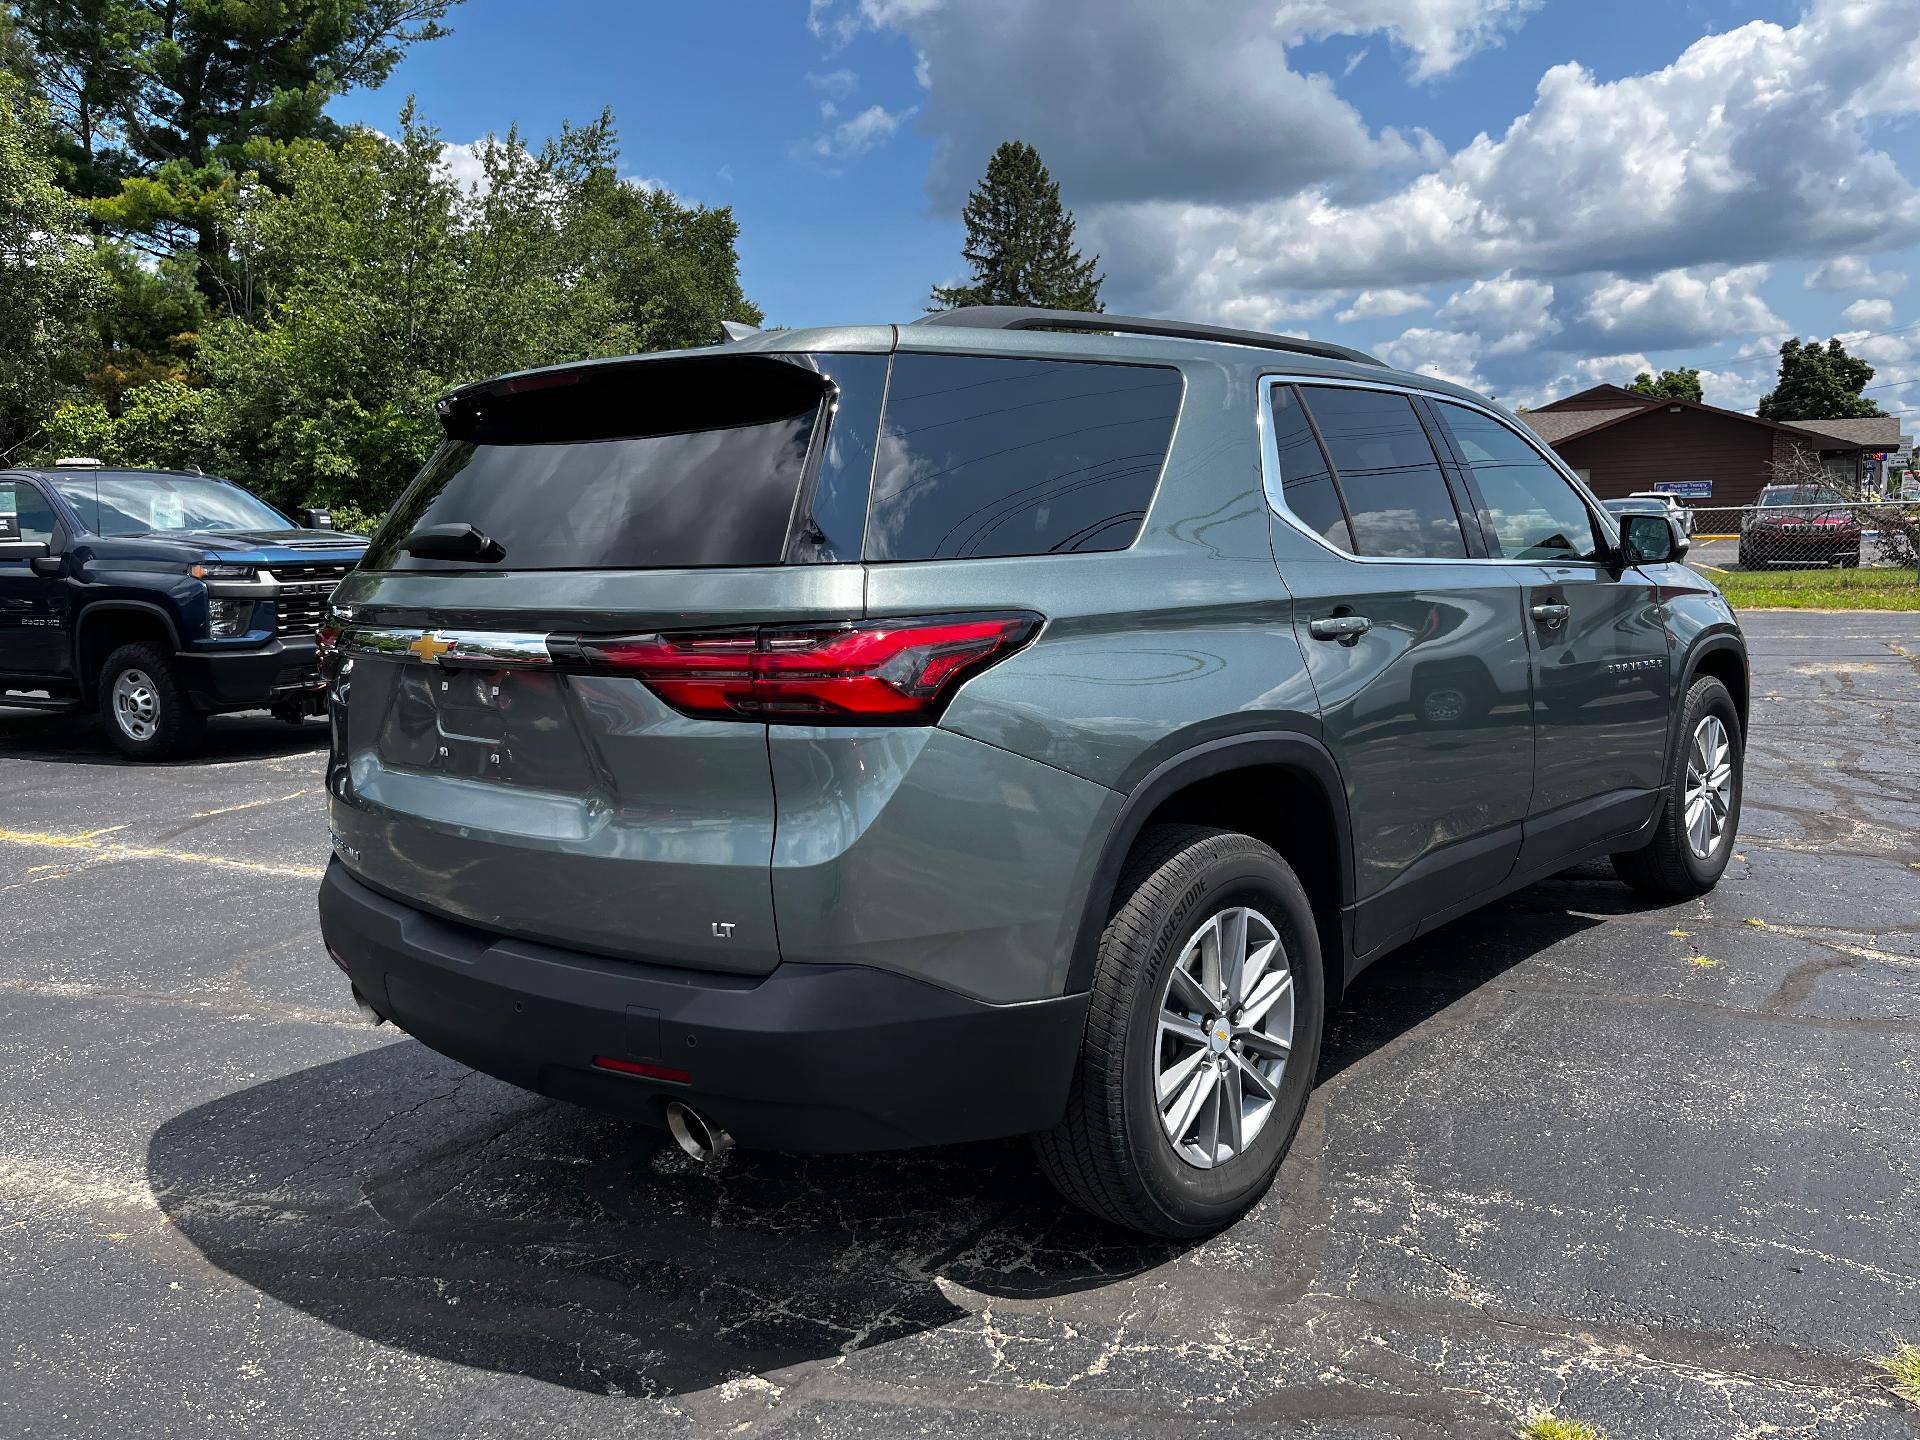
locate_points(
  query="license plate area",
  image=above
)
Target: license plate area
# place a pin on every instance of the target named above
(511, 727)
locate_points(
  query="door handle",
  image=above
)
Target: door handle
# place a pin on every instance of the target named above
(1553, 613)
(1339, 627)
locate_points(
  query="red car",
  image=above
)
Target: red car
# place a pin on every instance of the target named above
(1800, 525)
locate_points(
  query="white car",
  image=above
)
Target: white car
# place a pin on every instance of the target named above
(1682, 514)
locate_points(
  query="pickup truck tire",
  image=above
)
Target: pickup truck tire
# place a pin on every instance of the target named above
(1671, 865)
(1115, 1153)
(144, 706)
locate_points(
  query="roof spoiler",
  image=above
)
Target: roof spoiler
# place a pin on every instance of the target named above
(1021, 317)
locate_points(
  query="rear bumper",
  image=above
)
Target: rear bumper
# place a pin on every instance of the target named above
(287, 669)
(811, 1057)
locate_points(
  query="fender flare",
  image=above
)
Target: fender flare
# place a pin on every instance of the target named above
(1709, 643)
(109, 607)
(1285, 750)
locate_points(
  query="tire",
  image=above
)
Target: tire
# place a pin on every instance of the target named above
(1668, 864)
(1850, 562)
(152, 718)
(1112, 1154)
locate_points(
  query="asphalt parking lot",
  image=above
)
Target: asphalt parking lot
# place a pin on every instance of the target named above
(1655, 1168)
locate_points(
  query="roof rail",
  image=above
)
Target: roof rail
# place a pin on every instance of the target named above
(1021, 317)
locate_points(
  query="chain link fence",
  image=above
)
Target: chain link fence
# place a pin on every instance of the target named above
(1784, 530)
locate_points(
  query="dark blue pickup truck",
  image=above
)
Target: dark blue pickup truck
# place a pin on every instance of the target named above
(159, 598)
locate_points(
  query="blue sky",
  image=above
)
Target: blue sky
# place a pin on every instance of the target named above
(1528, 197)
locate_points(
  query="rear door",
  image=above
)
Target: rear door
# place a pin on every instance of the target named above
(33, 623)
(1600, 650)
(1417, 647)
(481, 768)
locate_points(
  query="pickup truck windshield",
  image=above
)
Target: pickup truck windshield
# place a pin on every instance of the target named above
(147, 504)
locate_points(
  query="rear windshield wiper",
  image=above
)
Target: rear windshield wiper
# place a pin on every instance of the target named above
(453, 542)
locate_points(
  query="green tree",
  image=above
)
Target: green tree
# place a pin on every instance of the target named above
(1671, 384)
(1020, 241)
(165, 103)
(374, 283)
(48, 272)
(1817, 384)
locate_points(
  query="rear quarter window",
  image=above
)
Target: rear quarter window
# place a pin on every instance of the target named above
(982, 456)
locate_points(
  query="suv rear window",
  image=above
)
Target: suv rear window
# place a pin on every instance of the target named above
(981, 456)
(647, 465)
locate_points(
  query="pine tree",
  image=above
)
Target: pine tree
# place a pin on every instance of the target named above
(1020, 241)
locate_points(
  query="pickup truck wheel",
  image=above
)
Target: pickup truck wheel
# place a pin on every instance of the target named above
(1202, 1038)
(1700, 809)
(147, 713)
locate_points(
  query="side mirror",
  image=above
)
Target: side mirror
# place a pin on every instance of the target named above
(318, 519)
(1651, 539)
(48, 567)
(22, 549)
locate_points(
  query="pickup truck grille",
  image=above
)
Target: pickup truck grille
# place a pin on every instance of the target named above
(301, 602)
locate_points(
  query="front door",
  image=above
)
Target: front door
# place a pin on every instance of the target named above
(1418, 651)
(1601, 672)
(33, 638)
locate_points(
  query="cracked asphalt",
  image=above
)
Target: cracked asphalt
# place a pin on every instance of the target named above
(1655, 1168)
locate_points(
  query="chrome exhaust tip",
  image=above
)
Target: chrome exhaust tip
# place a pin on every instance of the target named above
(695, 1134)
(367, 1012)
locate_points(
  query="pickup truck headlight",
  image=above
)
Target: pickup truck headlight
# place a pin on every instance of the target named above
(228, 618)
(217, 570)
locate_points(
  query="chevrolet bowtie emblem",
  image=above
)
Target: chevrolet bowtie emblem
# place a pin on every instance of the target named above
(430, 647)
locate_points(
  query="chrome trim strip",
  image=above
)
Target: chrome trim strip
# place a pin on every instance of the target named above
(1271, 479)
(487, 649)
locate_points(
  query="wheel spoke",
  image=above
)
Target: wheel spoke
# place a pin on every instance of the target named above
(1230, 1106)
(1254, 969)
(1250, 1075)
(1262, 1043)
(1185, 1108)
(1273, 988)
(1177, 1074)
(1182, 1028)
(1233, 952)
(1211, 979)
(1185, 992)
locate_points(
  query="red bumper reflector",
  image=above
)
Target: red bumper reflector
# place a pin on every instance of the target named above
(641, 1068)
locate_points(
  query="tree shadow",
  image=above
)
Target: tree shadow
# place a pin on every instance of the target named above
(399, 1196)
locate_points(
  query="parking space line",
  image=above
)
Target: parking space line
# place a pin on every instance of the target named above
(115, 850)
(251, 804)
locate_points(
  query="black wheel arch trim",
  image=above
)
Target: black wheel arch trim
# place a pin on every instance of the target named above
(1286, 750)
(1725, 638)
(100, 608)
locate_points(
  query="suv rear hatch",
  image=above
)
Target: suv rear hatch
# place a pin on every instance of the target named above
(492, 765)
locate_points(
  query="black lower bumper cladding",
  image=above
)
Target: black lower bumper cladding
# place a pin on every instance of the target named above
(817, 1058)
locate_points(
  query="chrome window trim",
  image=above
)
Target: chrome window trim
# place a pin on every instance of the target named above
(1271, 480)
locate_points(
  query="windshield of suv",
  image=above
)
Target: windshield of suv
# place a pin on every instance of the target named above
(148, 504)
(1775, 495)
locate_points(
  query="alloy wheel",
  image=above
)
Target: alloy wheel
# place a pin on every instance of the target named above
(1225, 1034)
(1709, 794)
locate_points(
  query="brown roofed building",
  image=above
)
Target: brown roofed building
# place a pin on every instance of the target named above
(1620, 441)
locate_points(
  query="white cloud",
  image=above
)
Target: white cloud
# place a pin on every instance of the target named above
(1446, 354)
(1869, 314)
(855, 137)
(1439, 34)
(461, 163)
(1382, 304)
(1681, 307)
(837, 84)
(1753, 144)
(1852, 274)
(1508, 315)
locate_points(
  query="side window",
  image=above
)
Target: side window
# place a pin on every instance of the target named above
(1531, 510)
(1396, 495)
(1306, 485)
(25, 513)
(980, 456)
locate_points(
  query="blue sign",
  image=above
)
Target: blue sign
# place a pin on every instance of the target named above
(1686, 489)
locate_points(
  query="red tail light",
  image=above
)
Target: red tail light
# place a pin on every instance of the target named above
(871, 671)
(326, 648)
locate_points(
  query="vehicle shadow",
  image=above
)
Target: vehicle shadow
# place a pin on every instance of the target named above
(78, 739)
(399, 1196)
